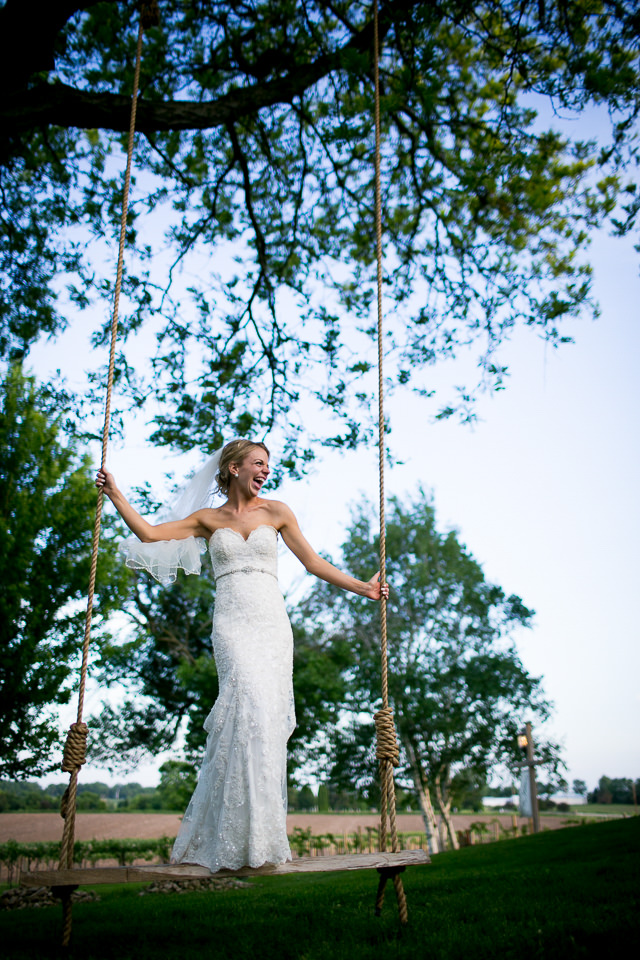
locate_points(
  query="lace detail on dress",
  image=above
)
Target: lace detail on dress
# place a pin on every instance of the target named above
(237, 815)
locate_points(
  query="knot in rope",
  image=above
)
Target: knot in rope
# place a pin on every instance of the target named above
(387, 745)
(75, 748)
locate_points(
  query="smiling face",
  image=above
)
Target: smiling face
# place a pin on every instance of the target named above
(232, 458)
(252, 473)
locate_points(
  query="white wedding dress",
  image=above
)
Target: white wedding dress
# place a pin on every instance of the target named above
(237, 815)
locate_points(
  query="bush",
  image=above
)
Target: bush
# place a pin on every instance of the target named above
(89, 801)
(177, 782)
(614, 790)
(146, 801)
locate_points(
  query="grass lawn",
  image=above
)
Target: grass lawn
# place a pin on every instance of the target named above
(562, 894)
(606, 809)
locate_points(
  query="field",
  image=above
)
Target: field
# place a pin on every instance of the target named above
(34, 827)
(571, 893)
(608, 809)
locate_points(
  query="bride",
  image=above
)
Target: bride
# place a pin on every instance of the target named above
(237, 815)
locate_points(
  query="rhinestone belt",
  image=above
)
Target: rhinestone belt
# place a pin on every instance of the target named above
(246, 570)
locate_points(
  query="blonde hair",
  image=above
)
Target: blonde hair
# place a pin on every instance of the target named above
(234, 452)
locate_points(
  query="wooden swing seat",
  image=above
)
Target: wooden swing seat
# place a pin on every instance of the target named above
(393, 862)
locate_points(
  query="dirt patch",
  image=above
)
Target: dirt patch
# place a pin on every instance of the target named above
(34, 827)
(339, 823)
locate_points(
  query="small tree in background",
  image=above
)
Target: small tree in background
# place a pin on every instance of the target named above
(323, 798)
(177, 783)
(468, 788)
(614, 790)
(306, 798)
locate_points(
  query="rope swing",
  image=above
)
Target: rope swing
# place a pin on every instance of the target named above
(388, 863)
(387, 747)
(75, 747)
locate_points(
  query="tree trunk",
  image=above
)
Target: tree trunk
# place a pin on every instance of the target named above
(424, 797)
(445, 810)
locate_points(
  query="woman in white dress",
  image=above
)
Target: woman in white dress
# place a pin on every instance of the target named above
(237, 815)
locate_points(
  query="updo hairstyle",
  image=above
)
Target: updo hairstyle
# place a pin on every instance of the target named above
(234, 452)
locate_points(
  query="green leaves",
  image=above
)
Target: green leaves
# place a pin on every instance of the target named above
(47, 503)
(166, 668)
(456, 683)
(254, 170)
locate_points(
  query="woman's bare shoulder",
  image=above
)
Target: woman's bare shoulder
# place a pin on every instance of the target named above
(210, 517)
(276, 507)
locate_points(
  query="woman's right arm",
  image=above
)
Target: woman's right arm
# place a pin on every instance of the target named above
(148, 532)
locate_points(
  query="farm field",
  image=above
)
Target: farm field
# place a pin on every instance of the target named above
(36, 827)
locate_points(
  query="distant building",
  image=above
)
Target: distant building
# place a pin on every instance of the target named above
(571, 798)
(499, 802)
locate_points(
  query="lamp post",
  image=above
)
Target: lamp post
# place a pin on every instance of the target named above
(525, 742)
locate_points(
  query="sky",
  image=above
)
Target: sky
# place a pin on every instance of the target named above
(543, 490)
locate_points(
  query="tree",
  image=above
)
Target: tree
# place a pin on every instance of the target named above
(468, 788)
(580, 788)
(47, 502)
(456, 683)
(164, 663)
(323, 798)
(319, 690)
(306, 798)
(614, 790)
(177, 783)
(255, 151)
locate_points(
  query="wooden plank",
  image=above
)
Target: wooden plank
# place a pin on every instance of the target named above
(186, 871)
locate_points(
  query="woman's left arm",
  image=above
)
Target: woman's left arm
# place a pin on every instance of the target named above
(292, 536)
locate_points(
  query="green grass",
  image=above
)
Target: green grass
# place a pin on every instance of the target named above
(610, 809)
(563, 894)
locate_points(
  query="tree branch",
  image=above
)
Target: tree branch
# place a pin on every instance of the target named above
(63, 105)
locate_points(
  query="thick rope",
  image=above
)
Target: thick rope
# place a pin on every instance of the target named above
(74, 751)
(387, 749)
(74, 756)
(387, 744)
(75, 747)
